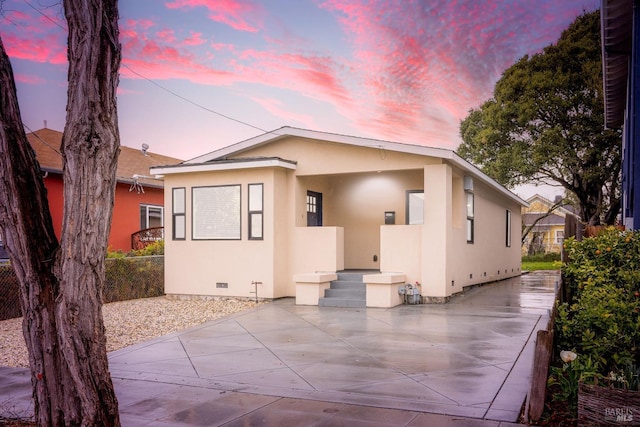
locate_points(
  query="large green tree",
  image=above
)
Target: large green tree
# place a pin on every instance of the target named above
(545, 124)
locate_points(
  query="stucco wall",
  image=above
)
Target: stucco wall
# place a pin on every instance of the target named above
(488, 258)
(194, 267)
(359, 185)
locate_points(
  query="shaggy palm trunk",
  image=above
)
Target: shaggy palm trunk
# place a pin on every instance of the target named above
(61, 284)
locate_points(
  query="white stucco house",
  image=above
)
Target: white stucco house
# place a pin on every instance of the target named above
(284, 213)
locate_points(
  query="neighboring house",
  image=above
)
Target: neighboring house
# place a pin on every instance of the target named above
(620, 26)
(280, 214)
(139, 202)
(547, 234)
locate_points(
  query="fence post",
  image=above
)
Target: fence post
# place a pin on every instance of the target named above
(544, 342)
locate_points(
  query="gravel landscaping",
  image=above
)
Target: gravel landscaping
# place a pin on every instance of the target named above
(130, 322)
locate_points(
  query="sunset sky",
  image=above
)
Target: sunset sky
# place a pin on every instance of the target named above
(405, 70)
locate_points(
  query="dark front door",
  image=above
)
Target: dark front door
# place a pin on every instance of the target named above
(314, 209)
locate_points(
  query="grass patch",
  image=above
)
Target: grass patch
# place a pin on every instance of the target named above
(549, 261)
(541, 265)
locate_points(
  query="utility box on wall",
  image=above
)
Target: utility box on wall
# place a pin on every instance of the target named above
(390, 217)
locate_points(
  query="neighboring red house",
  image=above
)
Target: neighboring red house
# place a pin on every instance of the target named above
(139, 199)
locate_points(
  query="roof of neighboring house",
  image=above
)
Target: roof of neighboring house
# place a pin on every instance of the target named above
(616, 18)
(212, 160)
(564, 209)
(132, 162)
(553, 219)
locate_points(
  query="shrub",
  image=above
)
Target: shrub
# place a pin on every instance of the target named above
(155, 248)
(133, 277)
(546, 257)
(601, 319)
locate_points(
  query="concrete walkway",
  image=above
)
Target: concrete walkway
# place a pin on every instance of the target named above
(464, 363)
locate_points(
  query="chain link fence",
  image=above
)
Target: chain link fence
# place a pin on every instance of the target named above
(125, 279)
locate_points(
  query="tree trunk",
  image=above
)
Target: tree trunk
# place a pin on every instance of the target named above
(61, 285)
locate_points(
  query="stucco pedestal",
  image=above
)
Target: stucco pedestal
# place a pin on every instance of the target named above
(382, 289)
(310, 287)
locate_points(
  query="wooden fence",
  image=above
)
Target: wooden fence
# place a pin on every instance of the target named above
(541, 363)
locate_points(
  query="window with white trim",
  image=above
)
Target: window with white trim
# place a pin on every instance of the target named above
(151, 216)
(559, 236)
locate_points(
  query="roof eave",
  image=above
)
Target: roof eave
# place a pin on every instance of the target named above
(221, 166)
(616, 26)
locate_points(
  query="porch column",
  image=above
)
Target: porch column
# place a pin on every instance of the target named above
(437, 232)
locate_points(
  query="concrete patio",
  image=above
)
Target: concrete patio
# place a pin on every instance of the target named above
(467, 362)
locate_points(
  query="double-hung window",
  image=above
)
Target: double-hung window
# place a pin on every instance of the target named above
(178, 213)
(470, 217)
(256, 211)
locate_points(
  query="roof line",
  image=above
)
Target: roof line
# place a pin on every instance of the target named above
(286, 131)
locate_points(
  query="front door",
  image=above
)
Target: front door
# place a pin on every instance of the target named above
(314, 209)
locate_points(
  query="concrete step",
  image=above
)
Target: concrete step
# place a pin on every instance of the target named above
(347, 284)
(346, 293)
(355, 276)
(340, 302)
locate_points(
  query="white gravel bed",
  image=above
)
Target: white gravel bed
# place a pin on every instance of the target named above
(130, 322)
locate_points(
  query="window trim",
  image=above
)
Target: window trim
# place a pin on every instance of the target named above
(255, 212)
(177, 213)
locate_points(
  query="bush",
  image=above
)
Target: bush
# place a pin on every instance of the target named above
(546, 257)
(601, 320)
(155, 248)
(133, 277)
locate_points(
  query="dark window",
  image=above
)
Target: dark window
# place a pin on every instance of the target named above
(508, 242)
(470, 217)
(256, 211)
(178, 213)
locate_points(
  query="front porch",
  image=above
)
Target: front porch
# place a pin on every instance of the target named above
(328, 283)
(350, 288)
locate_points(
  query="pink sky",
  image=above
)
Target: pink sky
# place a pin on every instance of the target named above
(406, 71)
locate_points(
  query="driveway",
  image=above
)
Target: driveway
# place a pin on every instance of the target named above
(469, 360)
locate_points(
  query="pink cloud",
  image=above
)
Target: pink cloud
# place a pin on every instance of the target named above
(423, 65)
(276, 108)
(29, 79)
(194, 40)
(47, 49)
(312, 76)
(241, 15)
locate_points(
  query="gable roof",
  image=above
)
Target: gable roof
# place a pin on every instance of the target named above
(212, 160)
(563, 210)
(549, 220)
(131, 162)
